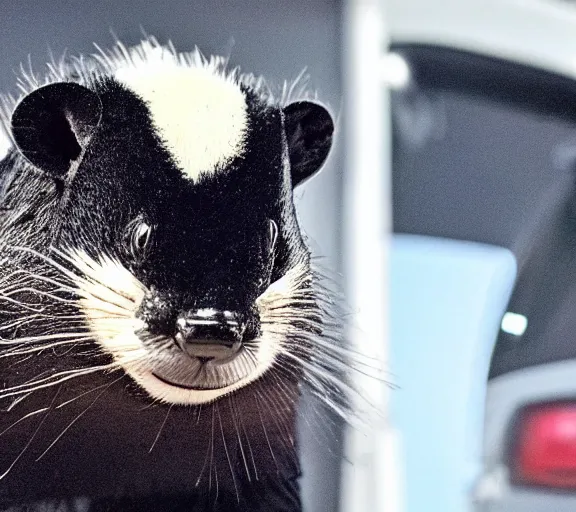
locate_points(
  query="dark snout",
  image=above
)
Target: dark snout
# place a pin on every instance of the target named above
(209, 333)
(206, 333)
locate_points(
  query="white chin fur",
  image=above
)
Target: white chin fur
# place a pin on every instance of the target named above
(164, 392)
(141, 368)
(109, 298)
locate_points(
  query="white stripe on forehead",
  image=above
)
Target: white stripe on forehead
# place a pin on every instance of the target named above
(199, 113)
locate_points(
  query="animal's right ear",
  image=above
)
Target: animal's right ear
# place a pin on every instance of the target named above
(53, 125)
(309, 130)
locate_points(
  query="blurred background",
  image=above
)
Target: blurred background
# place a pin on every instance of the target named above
(482, 300)
(448, 207)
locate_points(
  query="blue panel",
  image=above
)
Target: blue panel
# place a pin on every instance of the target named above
(447, 301)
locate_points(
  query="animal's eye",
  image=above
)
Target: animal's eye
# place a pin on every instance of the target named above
(137, 238)
(141, 236)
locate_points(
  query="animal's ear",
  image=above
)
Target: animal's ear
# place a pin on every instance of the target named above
(53, 125)
(309, 128)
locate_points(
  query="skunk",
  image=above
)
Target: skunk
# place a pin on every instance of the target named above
(158, 306)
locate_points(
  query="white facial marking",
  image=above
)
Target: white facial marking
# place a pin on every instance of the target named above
(199, 114)
(110, 296)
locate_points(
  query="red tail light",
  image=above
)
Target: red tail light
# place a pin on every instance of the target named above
(544, 447)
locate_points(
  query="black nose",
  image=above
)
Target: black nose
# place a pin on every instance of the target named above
(208, 333)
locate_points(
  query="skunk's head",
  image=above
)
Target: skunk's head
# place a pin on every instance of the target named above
(166, 209)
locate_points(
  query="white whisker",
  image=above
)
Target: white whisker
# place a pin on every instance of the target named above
(265, 431)
(26, 416)
(161, 428)
(45, 337)
(41, 348)
(237, 431)
(16, 401)
(75, 420)
(27, 445)
(71, 400)
(232, 473)
(57, 378)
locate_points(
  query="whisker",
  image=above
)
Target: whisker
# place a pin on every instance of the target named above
(75, 420)
(27, 445)
(31, 318)
(34, 350)
(67, 402)
(241, 446)
(60, 378)
(26, 416)
(281, 429)
(265, 431)
(227, 454)
(161, 428)
(335, 359)
(16, 401)
(278, 400)
(22, 304)
(89, 267)
(42, 293)
(319, 389)
(44, 337)
(209, 453)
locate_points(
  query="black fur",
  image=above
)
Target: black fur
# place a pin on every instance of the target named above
(89, 163)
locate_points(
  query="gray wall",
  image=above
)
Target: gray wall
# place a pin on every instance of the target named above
(272, 37)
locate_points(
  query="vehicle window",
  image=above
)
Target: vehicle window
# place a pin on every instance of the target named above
(484, 151)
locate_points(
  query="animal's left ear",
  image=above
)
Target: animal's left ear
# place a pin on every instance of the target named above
(53, 125)
(309, 128)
